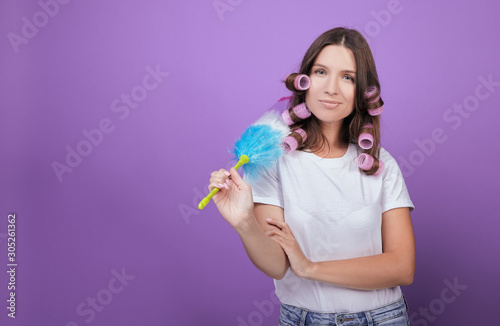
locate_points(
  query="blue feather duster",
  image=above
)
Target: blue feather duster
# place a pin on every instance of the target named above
(262, 143)
(259, 147)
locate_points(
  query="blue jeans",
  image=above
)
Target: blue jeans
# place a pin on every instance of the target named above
(393, 314)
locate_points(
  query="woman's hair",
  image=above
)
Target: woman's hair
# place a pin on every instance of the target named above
(367, 95)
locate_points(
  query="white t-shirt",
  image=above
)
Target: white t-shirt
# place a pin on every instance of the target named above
(335, 212)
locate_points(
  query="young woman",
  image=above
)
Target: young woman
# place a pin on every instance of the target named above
(331, 222)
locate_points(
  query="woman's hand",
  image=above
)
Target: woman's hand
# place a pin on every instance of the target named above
(282, 234)
(234, 199)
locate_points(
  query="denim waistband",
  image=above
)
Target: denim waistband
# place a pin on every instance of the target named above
(302, 316)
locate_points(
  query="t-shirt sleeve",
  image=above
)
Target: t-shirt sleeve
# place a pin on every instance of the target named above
(394, 191)
(267, 189)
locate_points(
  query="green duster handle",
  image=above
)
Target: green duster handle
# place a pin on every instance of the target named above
(243, 160)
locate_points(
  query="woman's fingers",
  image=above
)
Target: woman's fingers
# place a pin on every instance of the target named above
(272, 232)
(276, 231)
(276, 236)
(238, 180)
(276, 223)
(223, 185)
(219, 185)
(219, 179)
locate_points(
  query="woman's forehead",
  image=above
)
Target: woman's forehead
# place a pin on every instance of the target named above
(336, 57)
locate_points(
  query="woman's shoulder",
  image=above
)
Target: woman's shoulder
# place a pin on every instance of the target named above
(385, 155)
(390, 163)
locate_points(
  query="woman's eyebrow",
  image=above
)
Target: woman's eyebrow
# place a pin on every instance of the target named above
(320, 65)
(323, 66)
(351, 71)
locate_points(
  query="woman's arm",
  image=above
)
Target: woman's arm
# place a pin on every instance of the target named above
(264, 253)
(235, 203)
(395, 266)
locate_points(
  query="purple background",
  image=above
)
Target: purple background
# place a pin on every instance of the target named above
(130, 203)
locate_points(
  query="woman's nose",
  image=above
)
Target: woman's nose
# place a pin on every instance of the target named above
(331, 85)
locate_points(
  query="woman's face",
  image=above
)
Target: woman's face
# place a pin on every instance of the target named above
(333, 84)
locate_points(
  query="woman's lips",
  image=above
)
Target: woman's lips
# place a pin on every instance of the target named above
(330, 104)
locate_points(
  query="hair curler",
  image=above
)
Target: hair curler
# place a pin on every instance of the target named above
(377, 111)
(300, 110)
(380, 167)
(291, 143)
(365, 162)
(365, 139)
(302, 82)
(370, 91)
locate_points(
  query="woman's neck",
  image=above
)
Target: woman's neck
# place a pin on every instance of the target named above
(332, 151)
(334, 147)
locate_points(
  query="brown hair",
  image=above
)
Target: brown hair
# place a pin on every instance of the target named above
(367, 77)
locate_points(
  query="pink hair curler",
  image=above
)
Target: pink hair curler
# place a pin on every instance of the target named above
(365, 140)
(380, 167)
(290, 143)
(377, 111)
(301, 110)
(301, 82)
(370, 91)
(374, 100)
(286, 117)
(302, 133)
(367, 125)
(365, 161)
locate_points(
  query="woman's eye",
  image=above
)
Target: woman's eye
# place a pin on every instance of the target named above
(349, 77)
(320, 71)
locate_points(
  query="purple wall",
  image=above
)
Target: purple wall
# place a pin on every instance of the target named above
(152, 93)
